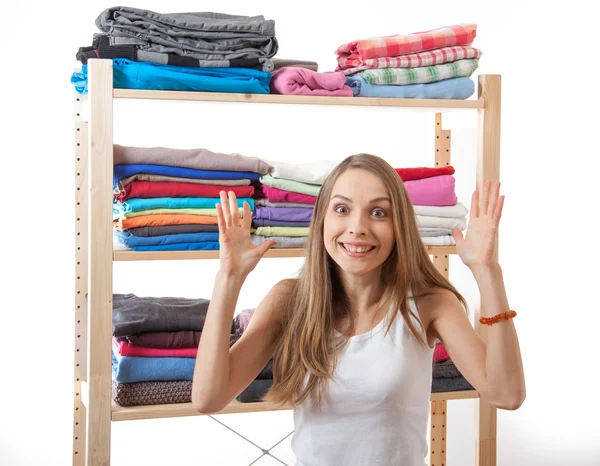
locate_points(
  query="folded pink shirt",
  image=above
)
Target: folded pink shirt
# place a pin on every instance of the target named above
(125, 348)
(281, 195)
(301, 81)
(433, 191)
(440, 353)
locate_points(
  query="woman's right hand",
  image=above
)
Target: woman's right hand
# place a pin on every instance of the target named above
(237, 253)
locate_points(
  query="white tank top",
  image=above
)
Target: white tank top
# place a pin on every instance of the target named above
(376, 409)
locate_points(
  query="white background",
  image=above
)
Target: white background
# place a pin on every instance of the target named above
(548, 245)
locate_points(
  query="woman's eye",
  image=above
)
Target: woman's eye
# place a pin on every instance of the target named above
(341, 209)
(379, 213)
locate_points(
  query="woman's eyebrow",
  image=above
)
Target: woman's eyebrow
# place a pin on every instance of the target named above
(372, 201)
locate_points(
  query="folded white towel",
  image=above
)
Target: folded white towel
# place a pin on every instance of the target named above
(434, 232)
(429, 221)
(438, 241)
(309, 172)
(457, 210)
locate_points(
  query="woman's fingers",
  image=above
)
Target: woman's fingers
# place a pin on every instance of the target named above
(221, 219)
(233, 209)
(495, 192)
(474, 205)
(485, 195)
(247, 220)
(498, 211)
(225, 208)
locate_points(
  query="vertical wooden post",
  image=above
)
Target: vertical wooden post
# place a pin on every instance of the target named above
(439, 417)
(437, 455)
(488, 168)
(100, 149)
(81, 285)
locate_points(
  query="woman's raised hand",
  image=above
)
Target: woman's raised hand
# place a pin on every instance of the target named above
(476, 248)
(237, 253)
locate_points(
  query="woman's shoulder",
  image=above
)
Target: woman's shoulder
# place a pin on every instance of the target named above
(285, 286)
(430, 301)
(433, 298)
(271, 310)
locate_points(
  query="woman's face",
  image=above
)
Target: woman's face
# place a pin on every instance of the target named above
(359, 229)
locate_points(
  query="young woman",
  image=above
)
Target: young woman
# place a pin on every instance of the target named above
(352, 337)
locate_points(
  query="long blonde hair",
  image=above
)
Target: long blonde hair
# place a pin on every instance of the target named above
(308, 344)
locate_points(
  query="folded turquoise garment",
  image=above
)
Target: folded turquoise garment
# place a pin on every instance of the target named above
(129, 74)
(201, 246)
(138, 203)
(131, 241)
(455, 88)
(128, 369)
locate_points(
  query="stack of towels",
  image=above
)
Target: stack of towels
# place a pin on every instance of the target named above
(446, 377)
(432, 193)
(285, 202)
(434, 64)
(210, 52)
(165, 199)
(155, 343)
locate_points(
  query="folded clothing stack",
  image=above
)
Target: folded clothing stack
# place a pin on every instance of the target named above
(434, 64)
(155, 343)
(431, 191)
(165, 199)
(285, 200)
(207, 51)
(446, 377)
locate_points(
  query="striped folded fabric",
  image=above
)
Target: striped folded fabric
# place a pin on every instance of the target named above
(421, 75)
(404, 44)
(414, 60)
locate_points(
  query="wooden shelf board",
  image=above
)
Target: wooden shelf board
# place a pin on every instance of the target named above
(119, 255)
(120, 413)
(427, 104)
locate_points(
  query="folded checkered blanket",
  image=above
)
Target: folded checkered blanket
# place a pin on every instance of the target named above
(422, 75)
(414, 60)
(405, 44)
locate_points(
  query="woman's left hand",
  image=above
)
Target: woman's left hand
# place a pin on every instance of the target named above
(476, 249)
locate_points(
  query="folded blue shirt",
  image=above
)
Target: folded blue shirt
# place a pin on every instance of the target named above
(454, 88)
(128, 74)
(132, 241)
(128, 369)
(121, 171)
(201, 246)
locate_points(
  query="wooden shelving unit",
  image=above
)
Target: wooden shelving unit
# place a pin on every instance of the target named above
(93, 407)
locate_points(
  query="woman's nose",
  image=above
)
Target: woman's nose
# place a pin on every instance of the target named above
(357, 226)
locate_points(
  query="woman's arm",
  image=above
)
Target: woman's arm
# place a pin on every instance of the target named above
(217, 379)
(222, 373)
(503, 364)
(495, 369)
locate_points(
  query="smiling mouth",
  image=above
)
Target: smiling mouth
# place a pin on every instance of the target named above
(356, 249)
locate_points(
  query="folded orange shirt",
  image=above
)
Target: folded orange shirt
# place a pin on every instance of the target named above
(165, 219)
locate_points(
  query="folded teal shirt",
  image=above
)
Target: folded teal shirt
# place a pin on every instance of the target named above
(129, 74)
(138, 203)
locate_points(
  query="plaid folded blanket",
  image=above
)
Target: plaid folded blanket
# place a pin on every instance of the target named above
(404, 44)
(422, 75)
(431, 57)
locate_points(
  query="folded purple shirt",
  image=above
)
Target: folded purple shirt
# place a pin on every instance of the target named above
(286, 214)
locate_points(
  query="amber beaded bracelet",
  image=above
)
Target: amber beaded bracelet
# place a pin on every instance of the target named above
(497, 318)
